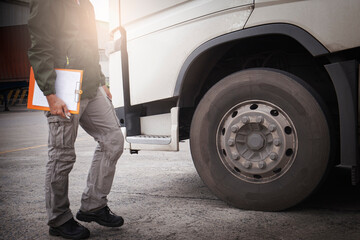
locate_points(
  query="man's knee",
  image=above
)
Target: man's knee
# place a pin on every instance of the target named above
(118, 143)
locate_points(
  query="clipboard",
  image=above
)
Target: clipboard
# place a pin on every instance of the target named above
(67, 86)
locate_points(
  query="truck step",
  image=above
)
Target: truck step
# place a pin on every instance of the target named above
(149, 139)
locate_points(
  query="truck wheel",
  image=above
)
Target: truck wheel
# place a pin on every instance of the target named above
(260, 140)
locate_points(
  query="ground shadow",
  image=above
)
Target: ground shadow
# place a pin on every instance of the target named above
(336, 193)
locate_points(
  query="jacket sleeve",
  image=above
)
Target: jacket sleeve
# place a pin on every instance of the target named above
(41, 53)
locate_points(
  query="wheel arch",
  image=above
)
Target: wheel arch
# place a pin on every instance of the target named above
(194, 78)
(215, 47)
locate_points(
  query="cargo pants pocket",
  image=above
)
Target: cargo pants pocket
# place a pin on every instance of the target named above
(61, 132)
(111, 106)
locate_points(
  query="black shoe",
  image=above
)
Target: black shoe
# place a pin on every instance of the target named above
(104, 217)
(70, 230)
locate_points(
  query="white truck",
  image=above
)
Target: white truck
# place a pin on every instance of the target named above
(267, 91)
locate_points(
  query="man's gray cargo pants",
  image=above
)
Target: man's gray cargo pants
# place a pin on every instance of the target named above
(97, 117)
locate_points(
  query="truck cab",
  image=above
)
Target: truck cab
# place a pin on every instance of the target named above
(267, 92)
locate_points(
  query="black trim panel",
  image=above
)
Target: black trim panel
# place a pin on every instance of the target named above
(344, 77)
(297, 33)
(146, 109)
(159, 107)
(131, 114)
(120, 113)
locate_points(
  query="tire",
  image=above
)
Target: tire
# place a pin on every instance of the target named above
(260, 140)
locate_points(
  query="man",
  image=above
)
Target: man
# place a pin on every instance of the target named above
(63, 35)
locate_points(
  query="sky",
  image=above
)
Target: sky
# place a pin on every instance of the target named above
(101, 9)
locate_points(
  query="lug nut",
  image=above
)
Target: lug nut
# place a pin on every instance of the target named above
(235, 128)
(247, 164)
(231, 142)
(273, 156)
(245, 119)
(262, 165)
(259, 119)
(277, 142)
(272, 127)
(235, 156)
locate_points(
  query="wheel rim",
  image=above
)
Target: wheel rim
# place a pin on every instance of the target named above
(257, 141)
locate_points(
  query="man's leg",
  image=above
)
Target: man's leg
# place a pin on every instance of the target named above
(100, 121)
(62, 135)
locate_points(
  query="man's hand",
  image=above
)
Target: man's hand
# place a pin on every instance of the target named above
(57, 106)
(107, 91)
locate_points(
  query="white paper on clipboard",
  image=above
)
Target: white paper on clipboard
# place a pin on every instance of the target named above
(67, 87)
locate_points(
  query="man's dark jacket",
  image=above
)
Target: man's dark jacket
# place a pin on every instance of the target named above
(63, 35)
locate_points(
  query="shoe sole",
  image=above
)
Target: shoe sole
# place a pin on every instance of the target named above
(85, 218)
(54, 232)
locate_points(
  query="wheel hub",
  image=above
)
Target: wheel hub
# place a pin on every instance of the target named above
(257, 141)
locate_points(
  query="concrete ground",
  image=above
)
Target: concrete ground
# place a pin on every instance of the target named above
(159, 194)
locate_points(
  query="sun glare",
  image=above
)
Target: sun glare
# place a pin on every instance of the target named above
(101, 8)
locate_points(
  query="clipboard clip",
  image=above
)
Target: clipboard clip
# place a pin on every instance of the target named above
(78, 92)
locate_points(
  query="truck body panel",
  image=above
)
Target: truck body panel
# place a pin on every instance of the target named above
(179, 56)
(184, 27)
(333, 23)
